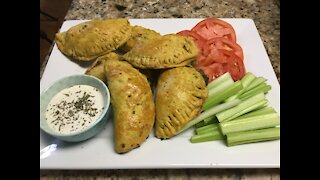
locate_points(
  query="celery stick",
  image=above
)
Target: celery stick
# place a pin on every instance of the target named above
(262, 111)
(222, 95)
(256, 82)
(219, 80)
(253, 136)
(200, 124)
(207, 128)
(222, 86)
(258, 105)
(210, 120)
(246, 80)
(250, 123)
(210, 112)
(231, 98)
(261, 88)
(243, 105)
(207, 121)
(211, 136)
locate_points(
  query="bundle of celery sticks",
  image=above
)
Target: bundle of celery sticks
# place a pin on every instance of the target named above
(237, 112)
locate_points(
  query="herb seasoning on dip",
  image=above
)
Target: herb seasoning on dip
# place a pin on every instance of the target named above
(74, 108)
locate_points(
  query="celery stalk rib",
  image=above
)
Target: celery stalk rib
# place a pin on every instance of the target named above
(257, 81)
(208, 128)
(245, 81)
(224, 85)
(262, 88)
(253, 136)
(258, 105)
(262, 111)
(207, 121)
(242, 106)
(222, 95)
(250, 123)
(211, 136)
(210, 120)
(200, 124)
(219, 80)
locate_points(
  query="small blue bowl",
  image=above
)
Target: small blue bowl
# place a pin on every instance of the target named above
(67, 82)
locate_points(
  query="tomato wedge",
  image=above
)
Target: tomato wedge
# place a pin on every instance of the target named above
(212, 27)
(196, 37)
(234, 65)
(221, 43)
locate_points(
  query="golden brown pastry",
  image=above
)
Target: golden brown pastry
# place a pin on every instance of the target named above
(168, 51)
(180, 95)
(97, 67)
(132, 104)
(139, 34)
(91, 39)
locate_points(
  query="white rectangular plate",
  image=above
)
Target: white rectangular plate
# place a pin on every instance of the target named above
(178, 152)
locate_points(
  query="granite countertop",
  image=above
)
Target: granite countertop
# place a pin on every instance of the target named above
(266, 15)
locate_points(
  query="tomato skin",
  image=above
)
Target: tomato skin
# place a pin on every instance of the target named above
(213, 71)
(212, 27)
(212, 51)
(215, 56)
(222, 43)
(234, 66)
(202, 60)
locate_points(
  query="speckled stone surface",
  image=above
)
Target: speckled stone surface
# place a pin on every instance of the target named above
(266, 15)
(160, 174)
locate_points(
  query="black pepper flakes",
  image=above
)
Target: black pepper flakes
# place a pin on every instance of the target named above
(66, 113)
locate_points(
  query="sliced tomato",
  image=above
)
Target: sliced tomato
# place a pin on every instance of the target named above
(213, 71)
(202, 60)
(196, 37)
(234, 65)
(230, 63)
(222, 43)
(215, 56)
(219, 52)
(212, 27)
(212, 51)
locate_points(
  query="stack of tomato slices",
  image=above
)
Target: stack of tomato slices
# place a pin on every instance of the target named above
(219, 51)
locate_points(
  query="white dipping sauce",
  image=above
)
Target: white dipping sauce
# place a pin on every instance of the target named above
(74, 109)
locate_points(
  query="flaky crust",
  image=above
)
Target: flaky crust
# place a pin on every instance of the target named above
(180, 95)
(97, 67)
(166, 52)
(139, 34)
(91, 39)
(132, 103)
